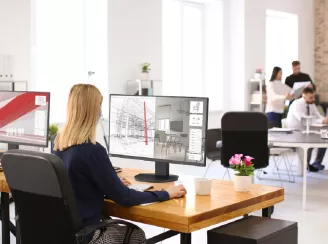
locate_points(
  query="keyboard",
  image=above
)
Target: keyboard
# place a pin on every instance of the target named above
(140, 187)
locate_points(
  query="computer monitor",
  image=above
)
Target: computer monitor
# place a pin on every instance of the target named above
(140, 129)
(24, 118)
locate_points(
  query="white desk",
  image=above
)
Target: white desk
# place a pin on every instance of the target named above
(297, 140)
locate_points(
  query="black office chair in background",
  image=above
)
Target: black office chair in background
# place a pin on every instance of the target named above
(212, 151)
(44, 200)
(245, 133)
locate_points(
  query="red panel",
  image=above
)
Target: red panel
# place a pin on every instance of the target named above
(18, 107)
(145, 120)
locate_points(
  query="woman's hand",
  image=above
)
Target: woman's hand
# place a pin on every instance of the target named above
(176, 191)
(125, 181)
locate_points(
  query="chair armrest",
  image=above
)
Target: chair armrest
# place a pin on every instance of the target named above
(219, 144)
(81, 236)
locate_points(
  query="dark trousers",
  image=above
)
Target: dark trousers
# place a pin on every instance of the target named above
(320, 155)
(275, 119)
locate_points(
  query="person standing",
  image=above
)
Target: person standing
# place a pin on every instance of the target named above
(302, 107)
(298, 76)
(275, 102)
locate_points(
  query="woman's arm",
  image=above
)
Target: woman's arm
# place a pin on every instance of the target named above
(110, 184)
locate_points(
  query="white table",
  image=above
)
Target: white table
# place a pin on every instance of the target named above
(297, 140)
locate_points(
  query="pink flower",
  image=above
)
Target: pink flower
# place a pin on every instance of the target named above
(238, 156)
(248, 163)
(248, 160)
(235, 160)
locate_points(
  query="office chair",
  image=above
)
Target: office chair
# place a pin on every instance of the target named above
(245, 133)
(279, 155)
(212, 151)
(44, 200)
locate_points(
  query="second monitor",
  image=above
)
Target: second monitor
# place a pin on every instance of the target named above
(161, 129)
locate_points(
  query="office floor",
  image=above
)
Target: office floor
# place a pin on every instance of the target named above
(312, 223)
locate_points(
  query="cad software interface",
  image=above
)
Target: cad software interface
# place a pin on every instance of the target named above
(168, 128)
(24, 117)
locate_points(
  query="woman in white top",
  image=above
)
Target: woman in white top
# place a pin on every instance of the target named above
(275, 102)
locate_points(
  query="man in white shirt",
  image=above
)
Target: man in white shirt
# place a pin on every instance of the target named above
(300, 108)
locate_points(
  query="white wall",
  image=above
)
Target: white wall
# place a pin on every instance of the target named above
(15, 37)
(135, 37)
(255, 15)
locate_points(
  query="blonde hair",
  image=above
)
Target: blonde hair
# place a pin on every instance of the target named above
(83, 112)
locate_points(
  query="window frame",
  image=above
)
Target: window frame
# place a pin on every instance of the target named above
(201, 7)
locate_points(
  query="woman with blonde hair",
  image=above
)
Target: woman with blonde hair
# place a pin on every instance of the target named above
(90, 170)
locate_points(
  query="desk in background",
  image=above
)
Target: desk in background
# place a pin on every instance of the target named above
(299, 140)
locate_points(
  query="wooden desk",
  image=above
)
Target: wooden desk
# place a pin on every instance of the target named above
(183, 215)
(193, 212)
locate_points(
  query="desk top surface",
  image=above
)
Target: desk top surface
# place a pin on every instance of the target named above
(296, 137)
(194, 212)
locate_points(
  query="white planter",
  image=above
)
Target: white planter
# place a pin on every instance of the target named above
(242, 183)
(257, 76)
(145, 76)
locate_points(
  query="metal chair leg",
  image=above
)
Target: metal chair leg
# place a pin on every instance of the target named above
(276, 165)
(226, 172)
(209, 166)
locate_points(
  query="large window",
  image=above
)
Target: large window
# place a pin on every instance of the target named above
(281, 41)
(71, 40)
(193, 49)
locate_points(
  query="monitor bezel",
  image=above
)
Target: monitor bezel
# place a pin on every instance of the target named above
(157, 159)
(32, 144)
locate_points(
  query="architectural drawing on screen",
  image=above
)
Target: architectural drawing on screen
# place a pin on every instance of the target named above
(132, 126)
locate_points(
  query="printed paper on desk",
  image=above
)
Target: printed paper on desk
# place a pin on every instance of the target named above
(319, 125)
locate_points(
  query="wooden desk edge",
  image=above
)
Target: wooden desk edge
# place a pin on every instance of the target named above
(238, 213)
(191, 227)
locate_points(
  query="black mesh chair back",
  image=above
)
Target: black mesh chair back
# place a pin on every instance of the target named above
(245, 133)
(212, 137)
(44, 199)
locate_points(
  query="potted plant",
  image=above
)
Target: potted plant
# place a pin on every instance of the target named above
(53, 130)
(145, 70)
(258, 74)
(244, 169)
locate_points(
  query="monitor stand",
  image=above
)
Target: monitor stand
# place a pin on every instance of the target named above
(162, 174)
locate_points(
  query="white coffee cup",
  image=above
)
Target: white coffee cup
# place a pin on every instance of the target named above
(203, 186)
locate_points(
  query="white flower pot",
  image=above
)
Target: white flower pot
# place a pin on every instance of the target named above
(242, 183)
(257, 76)
(145, 76)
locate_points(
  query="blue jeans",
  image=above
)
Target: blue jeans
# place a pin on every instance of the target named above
(275, 119)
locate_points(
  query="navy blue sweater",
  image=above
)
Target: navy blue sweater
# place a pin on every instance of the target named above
(92, 177)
